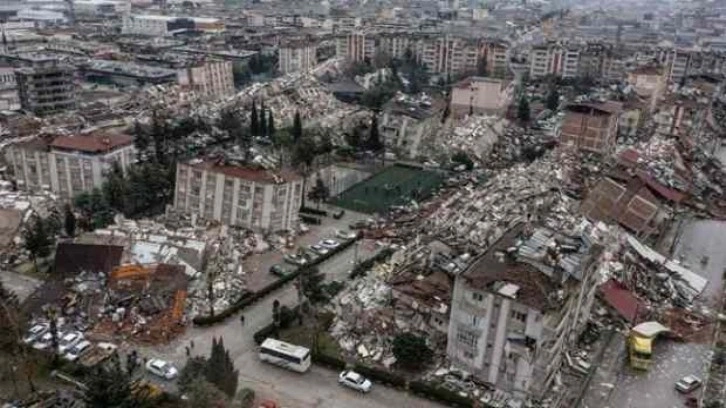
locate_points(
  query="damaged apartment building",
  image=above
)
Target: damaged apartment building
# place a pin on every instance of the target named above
(237, 195)
(517, 307)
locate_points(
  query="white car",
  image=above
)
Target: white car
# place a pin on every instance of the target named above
(319, 249)
(68, 340)
(345, 234)
(35, 332)
(43, 342)
(688, 384)
(77, 350)
(329, 243)
(161, 368)
(355, 381)
(106, 346)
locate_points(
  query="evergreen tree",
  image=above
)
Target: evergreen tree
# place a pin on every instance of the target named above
(109, 386)
(202, 393)
(115, 189)
(254, 121)
(70, 222)
(220, 369)
(553, 99)
(263, 120)
(303, 156)
(38, 240)
(270, 125)
(446, 114)
(194, 369)
(141, 138)
(319, 192)
(374, 138)
(10, 316)
(311, 284)
(411, 350)
(523, 109)
(481, 67)
(297, 130)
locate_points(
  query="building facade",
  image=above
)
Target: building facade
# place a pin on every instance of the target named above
(156, 25)
(210, 79)
(514, 312)
(46, 88)
(298, 56)
(69, 165)
(233, 195)
(477, 95)
(591, 127)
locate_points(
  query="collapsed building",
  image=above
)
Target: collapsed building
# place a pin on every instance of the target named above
(518, 307)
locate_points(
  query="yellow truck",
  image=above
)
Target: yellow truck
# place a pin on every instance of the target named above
(640, 344)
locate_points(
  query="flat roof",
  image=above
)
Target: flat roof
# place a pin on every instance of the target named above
(246, 173)
(95, 143)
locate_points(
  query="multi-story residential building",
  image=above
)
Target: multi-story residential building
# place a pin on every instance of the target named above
(441, 54)
(211, 78)
(69, 165)
(251, 198)
(7, 76)
(47, 87)
(156, 25)
(649, 83)
(355, 47)
(405, 123)
(477, 95)
(591, 126)
(297, 56)
(546, 59)
(518, 307)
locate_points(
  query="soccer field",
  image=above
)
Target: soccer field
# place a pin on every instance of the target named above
(395, 185)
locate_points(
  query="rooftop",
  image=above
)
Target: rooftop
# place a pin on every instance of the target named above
(497, 272)
(94, 143)
(246, 173)
(130, 69)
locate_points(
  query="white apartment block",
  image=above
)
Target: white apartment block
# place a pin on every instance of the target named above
(210, 79)
(157, 25)
(355, 47)
(514, 314)
(233, 195)
(297, 57)
(69, 165)
(7, 76)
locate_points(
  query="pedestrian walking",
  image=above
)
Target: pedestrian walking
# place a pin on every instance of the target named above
(187, 350)
(191, 344)
(242, 319)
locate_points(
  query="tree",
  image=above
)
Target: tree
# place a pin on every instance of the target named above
(481, 67)
(202, 393)
(297, 130)
(38, 240)
(446, 114)
(303, 155)
(411, 351)
(319, 192)
(109, 386)
(311, 284)
(553, 99)
(12, 322)
(374, 139)
(270, 125)
(194, 369)
(70, 222)
(220, 369)
(523, 109)
(115, 188)
(141, 138)
(254, 121)
(263, 120)
(231, 123)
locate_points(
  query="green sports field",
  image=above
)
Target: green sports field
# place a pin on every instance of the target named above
(395, 185)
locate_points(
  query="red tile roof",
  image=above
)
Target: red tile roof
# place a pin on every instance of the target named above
(94, 143)
(622, 300)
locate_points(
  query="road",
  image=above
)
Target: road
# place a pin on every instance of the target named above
(619, 386)
(316, 388)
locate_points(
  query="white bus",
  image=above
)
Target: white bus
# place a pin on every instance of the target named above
(290, 356)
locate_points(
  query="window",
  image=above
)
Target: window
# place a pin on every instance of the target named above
(477, 297)
(522, 317)
(466, 337)
(475, 321)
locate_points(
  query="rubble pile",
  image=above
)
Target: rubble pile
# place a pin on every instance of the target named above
(663, 161)
(477, 216)
(476, 135)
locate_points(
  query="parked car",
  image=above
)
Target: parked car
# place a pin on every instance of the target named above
(35, 332)
(76, 351)
(68, 340)
(329, 243)
(355, 381)
(162, 369)
(43, 342)
(688, 384)
(295, 259)
(280, 270)
(345, 234)
(319, 249)
(107, 346)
